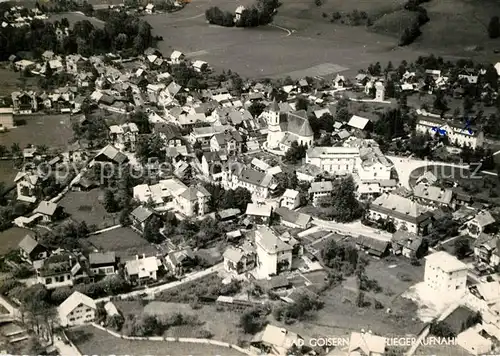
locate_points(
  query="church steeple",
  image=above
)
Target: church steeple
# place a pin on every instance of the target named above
(274, 106)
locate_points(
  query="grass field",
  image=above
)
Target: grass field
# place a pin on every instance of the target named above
(10, 238)
(92, 341)
(124, 241)
(50, 130)
(222, 324)
(300, 45)
(85, 206)
(75, 16)
(11, 82)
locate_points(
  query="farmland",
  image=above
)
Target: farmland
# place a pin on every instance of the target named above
(39, 129)
(124, 241)
(92, 341)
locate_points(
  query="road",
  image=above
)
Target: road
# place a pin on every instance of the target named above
(158, 289)
(352, 229)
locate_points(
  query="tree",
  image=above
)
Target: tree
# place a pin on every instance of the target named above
(494, 27)
(295, 153)
(15, 150)
(140, 118)
(253, 320)
(440, 101)
(301, 103)
(462, 248)
(151, 147)
(3, 151)
(152, 230)
(110, 202)
(360, 299)
(345, 205)
(256, 108)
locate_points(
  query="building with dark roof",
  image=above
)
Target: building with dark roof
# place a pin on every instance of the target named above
(31, 250)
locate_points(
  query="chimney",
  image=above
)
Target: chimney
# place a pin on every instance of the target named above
(137, 257)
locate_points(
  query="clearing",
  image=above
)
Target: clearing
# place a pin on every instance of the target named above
(92, 341)
(124, 241)
(10, 238)
(11, 81)
(85, 206)
(50, 130)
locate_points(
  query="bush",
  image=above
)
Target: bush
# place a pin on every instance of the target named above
(300, 310)
(253, 320)
(494, 27)
(378, 305)
(115, 322)
(59, 295)
(216, 16)
(318, 2)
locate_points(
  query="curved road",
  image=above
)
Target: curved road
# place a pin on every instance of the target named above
(405, 166)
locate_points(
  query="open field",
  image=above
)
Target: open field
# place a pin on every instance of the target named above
(11, 81)
(124, 241)
(222, 324)
(92, 341)
(49, 130)
(85, 206)
(10, 238)
(300, 44)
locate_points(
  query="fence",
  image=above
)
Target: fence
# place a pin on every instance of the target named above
(174, 339)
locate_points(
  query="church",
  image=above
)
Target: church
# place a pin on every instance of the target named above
(286, 127)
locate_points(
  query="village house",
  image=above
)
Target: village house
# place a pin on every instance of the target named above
(124, 136)
(203, 135)
(102, 263)
(24, 64)
(445, 275)
(408, 244)
(366, 343)
(371, 165)
(284, 128)
(6, 119)
(27, 186)
(487, 250)
(30, 250)
(259, 213)
(293, 219)
(24, 102)
(480, 223)
(181, 261)
(320, 190)
(475, 340)
(193, 201)
(59, 270)
(140, 217)
(360, 123)
(200, 66)
(274, 340)
(338, 161)
(457, 133)
(240, 259)
(372, 246)
(177, 57)
(404, 213)
(77, 309)
(258, 183)
(142, 269)
(111, 154)
(273, 255)
(290, 199)
(433, 196)
(48, 211)
(229, 141)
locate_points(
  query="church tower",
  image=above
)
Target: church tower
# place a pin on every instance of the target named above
(273, 125)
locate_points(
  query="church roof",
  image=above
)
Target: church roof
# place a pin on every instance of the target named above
(298, 124)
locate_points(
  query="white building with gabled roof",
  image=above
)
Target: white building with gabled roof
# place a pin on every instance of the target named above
(77, 309)
(445, 276)
(273, 254)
